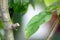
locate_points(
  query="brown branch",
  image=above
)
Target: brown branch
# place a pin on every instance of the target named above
(7, 20)
(55, 25)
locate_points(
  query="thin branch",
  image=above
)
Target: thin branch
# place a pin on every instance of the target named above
(55, 25)
(15, 25)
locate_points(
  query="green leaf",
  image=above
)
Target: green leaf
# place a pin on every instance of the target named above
(1, 24)
(10, 2)
(2, 35)
(18, 6)
(16, 18)
(59, 2)
(49, 2)
(34, 2)
(58, 13)
(36, 21)
(51, 7)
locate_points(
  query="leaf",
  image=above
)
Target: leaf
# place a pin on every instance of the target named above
(49, 2)
(34, 2)
(1, 24)
(58, 13)
(59, 2)
(24, 2)
(16, 18)
(36, 21)
(10, 3)
(51, 7)
(2, 35)
(18, 6)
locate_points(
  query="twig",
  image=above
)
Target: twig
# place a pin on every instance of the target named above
(55, 25)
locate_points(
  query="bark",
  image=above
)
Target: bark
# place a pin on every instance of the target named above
(6, 20)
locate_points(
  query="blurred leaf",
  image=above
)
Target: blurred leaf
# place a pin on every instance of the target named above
(58, 13)
(19, 6)
(24, 2)
(49, 2)
(36, 21)
(16, 18)
(2, 35)
(1, 24)
(34, 2)
(59, 2)
(51, 7)
(10, 2)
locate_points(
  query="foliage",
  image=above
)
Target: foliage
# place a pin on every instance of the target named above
(1, 24)
(2, 35)
(49, 2)
(36, 21)
(34, 2)
(17, 8)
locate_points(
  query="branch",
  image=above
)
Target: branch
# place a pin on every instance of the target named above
(7, 20)
(15, 25)
(55, 25)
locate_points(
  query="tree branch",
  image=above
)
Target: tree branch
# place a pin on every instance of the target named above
(7, 20)
(55, 25)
